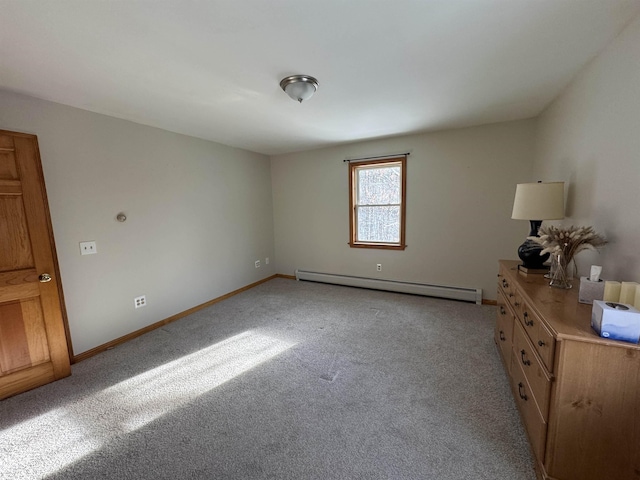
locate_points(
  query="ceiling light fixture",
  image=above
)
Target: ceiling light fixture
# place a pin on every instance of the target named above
(299, 87)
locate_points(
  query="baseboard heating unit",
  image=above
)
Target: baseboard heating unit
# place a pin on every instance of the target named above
(440, 291)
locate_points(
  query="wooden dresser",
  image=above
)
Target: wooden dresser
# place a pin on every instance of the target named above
(578, 394)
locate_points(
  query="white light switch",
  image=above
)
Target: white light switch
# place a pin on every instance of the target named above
(88, 248)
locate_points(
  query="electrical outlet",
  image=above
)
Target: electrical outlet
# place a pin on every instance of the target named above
(88, 248)
(379, 267)
(266, 261)
(257, 263)
(140, 301)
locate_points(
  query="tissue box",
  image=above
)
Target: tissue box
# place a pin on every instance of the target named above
(590, 291)
(617, 321)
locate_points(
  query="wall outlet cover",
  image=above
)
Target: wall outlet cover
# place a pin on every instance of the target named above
(88, 248)
(140, 301)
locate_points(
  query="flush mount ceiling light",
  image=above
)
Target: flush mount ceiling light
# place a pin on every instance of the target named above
(299, 87)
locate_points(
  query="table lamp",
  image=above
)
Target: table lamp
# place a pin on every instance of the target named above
(537, 202)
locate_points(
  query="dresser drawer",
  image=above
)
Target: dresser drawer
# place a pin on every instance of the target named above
(545, 345)
(535, 373)
(503, 281)
(504, 329)
(534, 424)
(515, 300)
(508, 288)
(541, 339)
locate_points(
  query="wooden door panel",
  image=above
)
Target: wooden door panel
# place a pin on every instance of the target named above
(33, 343)
(35, 330)
(14, 347)
(6, 141)
(23, 339)
(8, 167)
(16, 249)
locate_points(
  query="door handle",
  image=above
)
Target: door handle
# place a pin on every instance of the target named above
(44, 278)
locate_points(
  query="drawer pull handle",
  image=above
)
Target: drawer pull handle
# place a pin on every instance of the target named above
(527, 322)
(523, 396)
(541, 343)
(525, 362)
(517, 304)
(505, 284)
(502, 310)
(502, 337)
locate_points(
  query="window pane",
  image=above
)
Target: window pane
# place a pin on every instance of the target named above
(379, 185)
(379, 224)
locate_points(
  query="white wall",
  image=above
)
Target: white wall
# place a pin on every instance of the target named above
(590, 138)
(460, 188)
(199, 214)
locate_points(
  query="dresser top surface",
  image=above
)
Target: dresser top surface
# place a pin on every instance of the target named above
(559, 308)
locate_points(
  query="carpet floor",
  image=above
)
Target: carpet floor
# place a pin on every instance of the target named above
(288, 380)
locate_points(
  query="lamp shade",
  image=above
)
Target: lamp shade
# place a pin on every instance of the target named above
(539, 201)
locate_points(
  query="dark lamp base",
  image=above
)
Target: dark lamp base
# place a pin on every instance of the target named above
(529, 253)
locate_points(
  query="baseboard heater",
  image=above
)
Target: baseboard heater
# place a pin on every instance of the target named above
(440, 291)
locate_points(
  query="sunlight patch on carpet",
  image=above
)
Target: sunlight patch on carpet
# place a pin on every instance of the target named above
(47, 443)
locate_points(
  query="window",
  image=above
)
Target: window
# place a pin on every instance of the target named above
(377, 203)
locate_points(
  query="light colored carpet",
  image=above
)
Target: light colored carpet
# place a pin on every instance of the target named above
(289, 380)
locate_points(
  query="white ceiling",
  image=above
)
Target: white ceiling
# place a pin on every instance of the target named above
(211, 69)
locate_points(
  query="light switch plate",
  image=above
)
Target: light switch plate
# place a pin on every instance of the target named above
(88, 248)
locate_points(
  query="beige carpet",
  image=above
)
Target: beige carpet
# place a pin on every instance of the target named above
(289, 380)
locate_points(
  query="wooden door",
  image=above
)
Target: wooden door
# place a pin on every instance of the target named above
(33, 334)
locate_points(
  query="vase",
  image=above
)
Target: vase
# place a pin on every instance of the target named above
(561, 272)
(552, 266)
